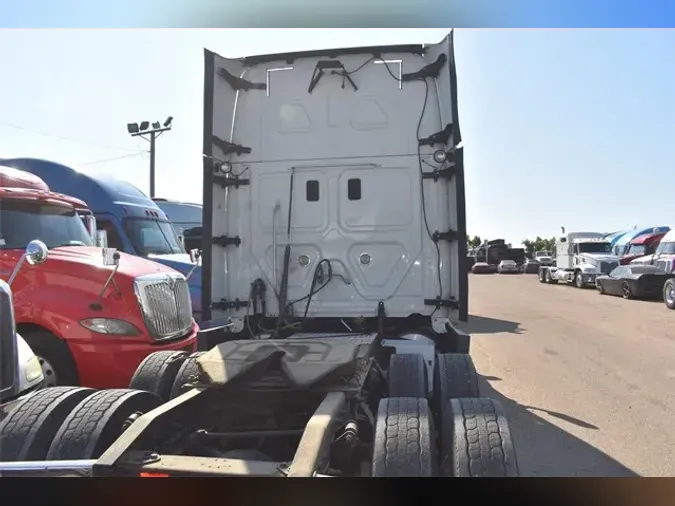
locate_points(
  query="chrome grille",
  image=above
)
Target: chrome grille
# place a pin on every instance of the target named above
(165, 303)
(607, 267)
(8, 346)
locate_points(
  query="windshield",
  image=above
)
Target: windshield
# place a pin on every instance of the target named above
(23, 221)
(152, 237)
(666, 248)
(542, 254)
(636, 249)
(594, 247)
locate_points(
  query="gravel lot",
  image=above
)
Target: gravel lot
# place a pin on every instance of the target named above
(588, 381)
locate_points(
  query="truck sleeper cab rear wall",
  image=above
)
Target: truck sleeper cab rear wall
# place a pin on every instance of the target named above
(342, 154)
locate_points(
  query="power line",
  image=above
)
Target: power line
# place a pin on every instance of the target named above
(63, 138)
(138, 153)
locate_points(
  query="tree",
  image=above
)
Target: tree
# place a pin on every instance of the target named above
(538, 244)
(474, 241)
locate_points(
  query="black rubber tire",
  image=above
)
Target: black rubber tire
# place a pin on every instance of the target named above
(158, 372)
(626, 292)
(405, 440)
(601, 289)
(668, 285)
(476, 441)
(455, 377)
(547, 277)
(29, 428)
(578, 279)
(542, 278)
(49, 347)
(188, 373)
(97, 422)
(407, 376)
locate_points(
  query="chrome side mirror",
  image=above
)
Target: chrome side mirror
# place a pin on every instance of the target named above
(35, 254)
(101, 239)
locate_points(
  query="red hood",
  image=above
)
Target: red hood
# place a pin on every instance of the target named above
(130, 265)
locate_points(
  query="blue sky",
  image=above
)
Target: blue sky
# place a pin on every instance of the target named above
(560, 127)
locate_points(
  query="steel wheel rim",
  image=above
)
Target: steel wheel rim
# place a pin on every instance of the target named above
(626, 290)
(48, 372)
(670, 295)
(579, 279)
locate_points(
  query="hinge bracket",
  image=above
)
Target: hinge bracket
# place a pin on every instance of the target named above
(450, 235)
(226, 182)
(224, 304)
(441, 137)
(439, 303)
(229, 147)
(225, 241)
(447, 173)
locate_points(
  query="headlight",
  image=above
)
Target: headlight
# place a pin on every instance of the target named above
(33, 370)
(110, 326)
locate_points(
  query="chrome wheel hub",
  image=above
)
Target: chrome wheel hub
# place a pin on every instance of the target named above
(48, 372)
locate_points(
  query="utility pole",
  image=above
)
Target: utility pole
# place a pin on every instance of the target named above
(152, 164)
(144, 131)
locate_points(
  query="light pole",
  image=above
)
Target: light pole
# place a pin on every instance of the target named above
(145, 131)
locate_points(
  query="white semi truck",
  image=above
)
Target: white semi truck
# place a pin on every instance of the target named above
(580, 258)
(543, 257)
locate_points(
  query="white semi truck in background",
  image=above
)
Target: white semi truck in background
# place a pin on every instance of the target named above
(580, 257)
(543, 257)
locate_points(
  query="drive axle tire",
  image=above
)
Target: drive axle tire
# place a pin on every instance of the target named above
(476, 440)
(405, 441)
(188, 373)
(158, 372)
(97, 422)
(669, 294)
(455, 377)
(29, 428)
(407, 376)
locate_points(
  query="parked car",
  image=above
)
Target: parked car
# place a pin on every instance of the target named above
(629, 281)
(530, 266)
(482, 268)
(508, 267)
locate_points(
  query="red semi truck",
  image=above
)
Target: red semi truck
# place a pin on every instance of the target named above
(90, 322)
(642, 245)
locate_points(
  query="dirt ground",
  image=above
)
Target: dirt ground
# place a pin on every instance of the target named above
(587, 380)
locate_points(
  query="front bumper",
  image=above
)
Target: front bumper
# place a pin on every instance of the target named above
(110, 362)
(589, 278)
